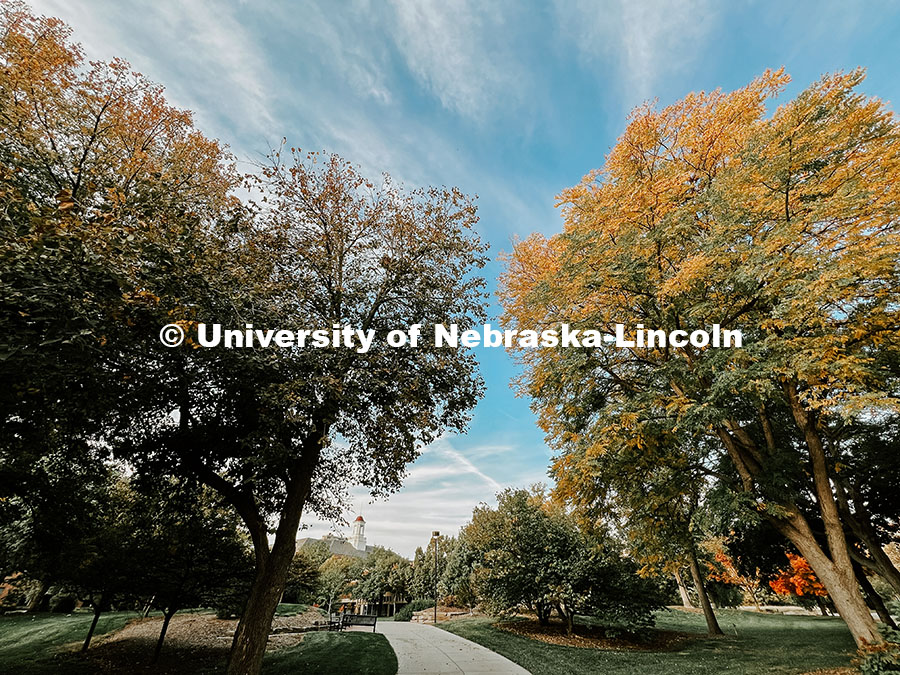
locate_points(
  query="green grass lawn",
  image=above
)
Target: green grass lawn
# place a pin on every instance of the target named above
(335, 654)
(29, 642)
(291, 609)
(29, 645)
(753, 643)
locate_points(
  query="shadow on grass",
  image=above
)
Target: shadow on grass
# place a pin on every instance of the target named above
(29, 643)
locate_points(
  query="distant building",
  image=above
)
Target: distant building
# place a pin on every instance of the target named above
(358, 537)
(355, 546)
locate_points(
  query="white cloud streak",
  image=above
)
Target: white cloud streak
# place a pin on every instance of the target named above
(459, 50)
(648, 39)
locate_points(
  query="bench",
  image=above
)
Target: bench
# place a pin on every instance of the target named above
(359, 620)
(335, 622)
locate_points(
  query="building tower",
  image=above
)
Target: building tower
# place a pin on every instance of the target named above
(358, 535)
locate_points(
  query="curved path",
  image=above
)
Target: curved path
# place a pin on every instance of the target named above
(425, 649)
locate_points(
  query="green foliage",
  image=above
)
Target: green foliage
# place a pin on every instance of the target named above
(316, 552)
(724, 595)
(302, 579)
(883, 658)
(457, 583)
(335, 575)
(425, 575)
(381, 572)
(189, 550)
(63, 603)
(528, 552)
(405, 613)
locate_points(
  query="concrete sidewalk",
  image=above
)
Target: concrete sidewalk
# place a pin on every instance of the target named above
(425, 649)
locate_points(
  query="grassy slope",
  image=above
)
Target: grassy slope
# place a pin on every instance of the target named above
(335, 654)
(764, 642)
(29, 643)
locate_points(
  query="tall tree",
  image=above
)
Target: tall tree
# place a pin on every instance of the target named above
(785, 227)
(118, 217)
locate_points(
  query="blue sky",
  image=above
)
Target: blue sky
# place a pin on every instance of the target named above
(510, 100)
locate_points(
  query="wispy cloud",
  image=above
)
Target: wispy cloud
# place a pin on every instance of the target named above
(203, 54)
(442, 488)
(460, 51)
(648, 39)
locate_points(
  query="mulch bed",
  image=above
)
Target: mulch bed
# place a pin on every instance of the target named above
(195, 643)
(586, 637)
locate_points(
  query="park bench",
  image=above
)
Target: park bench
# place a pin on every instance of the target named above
(359, 620)
(335, 621)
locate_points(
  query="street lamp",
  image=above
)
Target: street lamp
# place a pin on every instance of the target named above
(434, 538)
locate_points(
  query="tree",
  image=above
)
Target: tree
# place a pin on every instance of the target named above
(786, 228)
(102, 565)
(302, 579)
(334, 579)
(345, 252)
(725, 570)
(188, 550)
(649, 485)
(120, 217)
(425, 573)
(316, 551)
(529, 552)
(799, 580)
(457, 582)
(381, 574)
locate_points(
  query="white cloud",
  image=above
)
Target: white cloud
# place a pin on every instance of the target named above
(208, 61)
(442, 488)
(460, 51)
(650, 39)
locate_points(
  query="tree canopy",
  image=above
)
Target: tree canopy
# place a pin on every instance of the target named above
(786, 227)
(119, 216)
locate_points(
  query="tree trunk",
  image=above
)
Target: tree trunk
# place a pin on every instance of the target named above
(837, 568)
(35, 600)
(712, 624)
(752, 593)
(98, 606)
(860, 521)
(683, 591)
(875, 600)
(567, 617)
(167, 617)
(842, 586)
(252, 633)
(834, 569)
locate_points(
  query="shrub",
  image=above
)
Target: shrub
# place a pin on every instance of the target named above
(884, 658)
(725, 595)
(405, 614)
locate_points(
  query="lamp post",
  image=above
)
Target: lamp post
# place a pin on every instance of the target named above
(434, 538)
